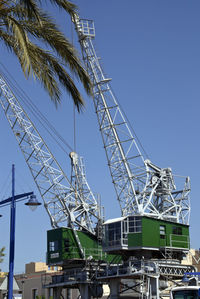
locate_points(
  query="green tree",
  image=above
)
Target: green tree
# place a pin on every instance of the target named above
(41, 48)
(2, 254)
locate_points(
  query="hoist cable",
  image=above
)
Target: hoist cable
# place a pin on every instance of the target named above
(74, 110)
(35, 111)
(6, 186)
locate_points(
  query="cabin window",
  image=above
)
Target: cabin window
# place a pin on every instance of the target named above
(135, 224)
(162, 231)
(177, 230)
(53, 246)
(114, 233)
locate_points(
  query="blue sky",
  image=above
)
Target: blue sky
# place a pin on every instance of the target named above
(150, 49)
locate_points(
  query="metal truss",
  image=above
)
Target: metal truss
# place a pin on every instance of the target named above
(141, 187)
(63, 203)
(80, 184)
(174, 270)
(143, 278)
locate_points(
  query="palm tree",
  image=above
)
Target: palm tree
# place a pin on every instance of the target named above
(21, 23)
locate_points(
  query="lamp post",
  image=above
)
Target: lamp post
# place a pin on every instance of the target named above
(12, 201)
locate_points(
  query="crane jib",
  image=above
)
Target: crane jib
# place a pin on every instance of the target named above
(141, 187)
(65, 205)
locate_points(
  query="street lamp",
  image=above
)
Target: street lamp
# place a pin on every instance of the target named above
(12, 201)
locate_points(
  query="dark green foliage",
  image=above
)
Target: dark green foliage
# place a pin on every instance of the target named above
(2, 254)
(22, 24)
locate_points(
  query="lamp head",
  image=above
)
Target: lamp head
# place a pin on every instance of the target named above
(185, 279)
(33, 202)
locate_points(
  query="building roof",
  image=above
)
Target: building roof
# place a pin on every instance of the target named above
(114, 220)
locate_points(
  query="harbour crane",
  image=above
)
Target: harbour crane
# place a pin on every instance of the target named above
(142, 188)
(68, 202)
(147, 194)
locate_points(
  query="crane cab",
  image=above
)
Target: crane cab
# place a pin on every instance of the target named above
(147, 237)
(63, 249)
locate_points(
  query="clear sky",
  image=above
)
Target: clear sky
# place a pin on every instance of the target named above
(151, 50)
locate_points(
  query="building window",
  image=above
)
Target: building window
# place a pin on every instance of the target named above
(177, 230)
(162, 231)
(34, 293)
(53, 246)
(135, 224)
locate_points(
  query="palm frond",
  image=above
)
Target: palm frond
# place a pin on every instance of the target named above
(3, 4)
(4, 9)
(61, 45)
(24, 21)
(21, 41)
(7, 39)
(31, 8)
(12, 45)
(49, 68)
(68, 6)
